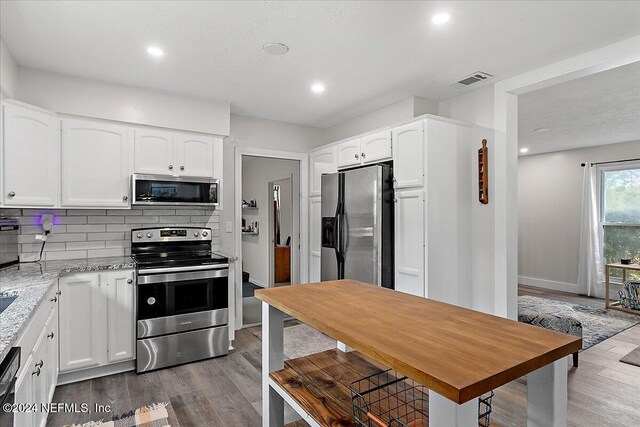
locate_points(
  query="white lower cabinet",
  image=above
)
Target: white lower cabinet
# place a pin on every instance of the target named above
(38, 377)
(96, 319)
(409, 242)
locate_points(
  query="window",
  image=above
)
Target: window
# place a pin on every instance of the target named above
(620, 213)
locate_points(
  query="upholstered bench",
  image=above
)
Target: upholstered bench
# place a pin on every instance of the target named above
(557, 318)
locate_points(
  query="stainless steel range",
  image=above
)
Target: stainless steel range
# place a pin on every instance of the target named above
(182, 297)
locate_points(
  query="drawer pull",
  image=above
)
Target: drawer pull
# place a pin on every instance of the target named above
(54, 299)
(36, 372)
(51, 335)
(39, 364)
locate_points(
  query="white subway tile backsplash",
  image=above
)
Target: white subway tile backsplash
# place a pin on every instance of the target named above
(82, 233)
(85, 245)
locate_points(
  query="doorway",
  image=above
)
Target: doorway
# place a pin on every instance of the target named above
(270, 228)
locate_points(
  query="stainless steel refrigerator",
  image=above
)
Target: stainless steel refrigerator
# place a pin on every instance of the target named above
(357, 225)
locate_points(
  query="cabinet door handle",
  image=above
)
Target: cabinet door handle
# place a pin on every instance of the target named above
(363, 156)
(357, 156)
(59, 293)
(51, 335)
(170, 167)
(125, 198)
(54, 299)
(181, 168)
(40, 364)
(36, 372)
(12, 194)
(129, 281)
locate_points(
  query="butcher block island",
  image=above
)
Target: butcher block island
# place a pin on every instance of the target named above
(456, 353)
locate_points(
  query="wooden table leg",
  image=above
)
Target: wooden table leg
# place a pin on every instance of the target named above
(446, 413)
(547, 395)
(272, 360)
(606, 286)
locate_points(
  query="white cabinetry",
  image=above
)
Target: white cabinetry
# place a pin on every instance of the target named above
(153, 151)
(315, 238)
(408, 155)
(96, 164)
(30, 156)
(368, 149)
(376, 147)
(173, 153)
(349, 153)
(96, 319)
(321, 161)
(409, 241)
(38, 377)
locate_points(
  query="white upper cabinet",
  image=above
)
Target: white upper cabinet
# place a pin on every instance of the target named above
(376, 147)
(321, 161)
(153, 152)
(409, 242)
(349, 153)
(408, 157)
(30, 156)
(96, 164)
(193, 155)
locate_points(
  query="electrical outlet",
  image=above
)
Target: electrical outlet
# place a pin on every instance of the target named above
(47, 222)
(228, 227)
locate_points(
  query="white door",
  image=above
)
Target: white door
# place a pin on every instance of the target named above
(30, 157)
(53, 367)
(40, 388)
(349, 153)
(24, 392)
(321, 161)
(96, 164)
(376, 147)
(83, 326)
(193, 155)
(120, 314)
(153, 152)
(409, 239)
(315, 239)
(408, 158)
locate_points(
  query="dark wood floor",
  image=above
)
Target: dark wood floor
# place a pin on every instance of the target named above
(226, 391)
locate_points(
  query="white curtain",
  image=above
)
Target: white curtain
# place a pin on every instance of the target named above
(590, 267)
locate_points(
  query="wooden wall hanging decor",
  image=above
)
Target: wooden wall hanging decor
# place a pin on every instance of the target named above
(483, 174)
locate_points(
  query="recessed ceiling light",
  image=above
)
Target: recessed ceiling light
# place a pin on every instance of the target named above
(155, 51)
(542, 130)
(276, 48)
(440, 18)
(318, 88)
(524, 150)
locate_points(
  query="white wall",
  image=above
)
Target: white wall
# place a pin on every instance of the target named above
(474, 107)
(257, 172)
(274, 135)
(83, 97)
(549, 211)
(8, 71)
(390, 114)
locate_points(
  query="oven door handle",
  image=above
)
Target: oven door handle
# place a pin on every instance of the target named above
(182, 277)
(180, 269)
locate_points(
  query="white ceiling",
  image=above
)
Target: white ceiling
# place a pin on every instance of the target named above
(369, 54)
(602, 108)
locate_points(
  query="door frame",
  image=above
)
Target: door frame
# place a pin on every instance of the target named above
(303, 252)
(505, 165)
(272, 270)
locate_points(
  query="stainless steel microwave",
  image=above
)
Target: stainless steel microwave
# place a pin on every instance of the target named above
(167, 190)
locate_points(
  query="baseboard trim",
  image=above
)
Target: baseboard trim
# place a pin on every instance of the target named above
(255, 282)
(548, 284)
(101, 371)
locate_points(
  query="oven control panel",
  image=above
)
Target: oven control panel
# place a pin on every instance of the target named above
(173, 233)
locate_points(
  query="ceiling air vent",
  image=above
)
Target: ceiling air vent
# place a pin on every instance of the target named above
(476, 77)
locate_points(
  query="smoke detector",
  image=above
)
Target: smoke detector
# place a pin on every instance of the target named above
(478, 76)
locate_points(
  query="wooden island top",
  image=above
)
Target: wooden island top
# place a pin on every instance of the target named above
(456, 352)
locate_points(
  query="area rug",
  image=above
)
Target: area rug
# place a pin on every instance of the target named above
(632, 358)
(154, 415)
(598, 324)
(303, 340)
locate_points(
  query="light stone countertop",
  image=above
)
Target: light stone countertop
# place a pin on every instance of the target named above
(32, 281)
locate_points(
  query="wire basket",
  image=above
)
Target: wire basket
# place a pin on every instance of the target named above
(630, 295)
(388, 399)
